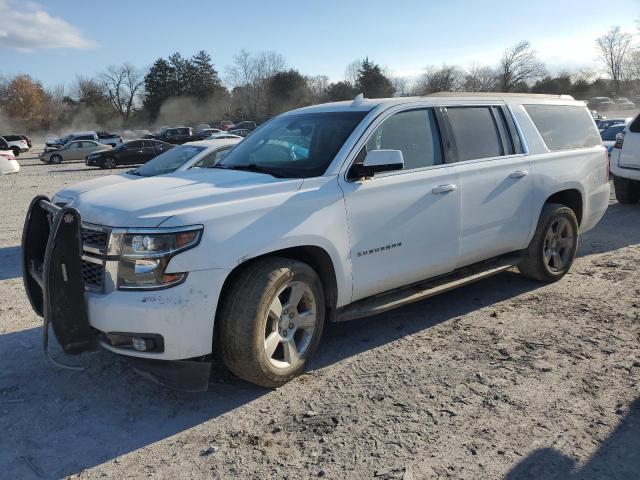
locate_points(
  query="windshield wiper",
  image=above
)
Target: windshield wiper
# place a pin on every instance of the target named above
(250, 167)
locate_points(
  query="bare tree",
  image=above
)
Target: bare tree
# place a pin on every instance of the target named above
(352, 72)
(249, 76)
(448, 78)
(632, 66)
(613, 47)
(318, 85)
(400, 86)
(122, 85)
(519, 66)
(480, 79)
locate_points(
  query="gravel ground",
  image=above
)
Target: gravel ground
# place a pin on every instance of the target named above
(506, 378)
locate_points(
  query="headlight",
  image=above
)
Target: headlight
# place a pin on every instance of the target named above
(144, 257)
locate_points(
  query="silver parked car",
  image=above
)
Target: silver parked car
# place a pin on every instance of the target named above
(76, 150)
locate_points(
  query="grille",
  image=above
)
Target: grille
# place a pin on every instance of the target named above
(94, 238)
(92, 273)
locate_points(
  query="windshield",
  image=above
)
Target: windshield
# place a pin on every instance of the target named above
(168, 161)
(294, 146)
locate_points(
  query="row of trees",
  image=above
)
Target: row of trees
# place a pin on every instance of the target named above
(259, 85)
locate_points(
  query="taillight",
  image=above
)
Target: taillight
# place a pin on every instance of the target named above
(7, 156)
(619, 140)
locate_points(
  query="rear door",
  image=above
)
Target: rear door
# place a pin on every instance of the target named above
(630, 154)
(148, 151)
(74, 151)
(495, 181)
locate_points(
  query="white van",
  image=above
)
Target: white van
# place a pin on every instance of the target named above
(325, 213)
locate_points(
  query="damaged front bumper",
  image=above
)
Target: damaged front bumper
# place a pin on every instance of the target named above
(52, 263)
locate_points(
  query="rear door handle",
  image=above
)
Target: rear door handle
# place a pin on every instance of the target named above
(519, 174)
(444, 188)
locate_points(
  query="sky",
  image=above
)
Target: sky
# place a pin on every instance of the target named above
(54, 41)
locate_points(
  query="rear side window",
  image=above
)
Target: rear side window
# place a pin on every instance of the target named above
(475, 132)
(415, 133)
(564, 127)
(635, 125)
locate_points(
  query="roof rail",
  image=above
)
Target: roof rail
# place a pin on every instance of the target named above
(497, 94)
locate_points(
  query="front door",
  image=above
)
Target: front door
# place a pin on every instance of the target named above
(404, 226)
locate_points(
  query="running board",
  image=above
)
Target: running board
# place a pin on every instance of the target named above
(419, 291)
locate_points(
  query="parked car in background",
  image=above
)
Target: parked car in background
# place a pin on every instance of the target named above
(175, 135)
(8, 162)
(180, 158)
(246, 125)
(133, 152)
(604, 124)
(225, 125)
(104, 138)
(27, 139)
(601, 103)
(609, 136)
(74, 150)
(623, 103)
(241, 132)
(206, 132)
(16, 143)
(327, 213)
(625, 163)
(223, 136)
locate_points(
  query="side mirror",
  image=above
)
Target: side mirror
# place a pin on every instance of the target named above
(378, 161)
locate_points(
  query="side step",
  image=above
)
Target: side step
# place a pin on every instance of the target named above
(419, 291)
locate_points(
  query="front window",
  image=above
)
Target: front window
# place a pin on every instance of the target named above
(168, 161)
(294, 146)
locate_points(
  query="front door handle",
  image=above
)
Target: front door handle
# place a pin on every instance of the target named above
(519, 174)
(444, 188)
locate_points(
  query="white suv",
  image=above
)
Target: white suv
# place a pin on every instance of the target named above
(625, 163)
(326, 213)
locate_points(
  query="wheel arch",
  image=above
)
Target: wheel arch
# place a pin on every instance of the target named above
(314, 256)
(570, 197)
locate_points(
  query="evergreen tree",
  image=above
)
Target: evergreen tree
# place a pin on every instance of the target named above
(159, 84)
(372, 82)
(204, 77)
(339, 91)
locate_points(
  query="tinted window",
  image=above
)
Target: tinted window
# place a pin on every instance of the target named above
(3, 144)
(635, 125)
(133, 145)
(415, 133)
(85, 137)
(563, 127)
(475, 133)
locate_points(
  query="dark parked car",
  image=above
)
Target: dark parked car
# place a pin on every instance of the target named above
(246, 125)
(176, 135)
(130, 153)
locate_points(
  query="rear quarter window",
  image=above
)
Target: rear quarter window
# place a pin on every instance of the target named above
(564, 127)
(635, 125)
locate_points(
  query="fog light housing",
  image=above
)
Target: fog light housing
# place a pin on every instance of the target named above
(139, 344)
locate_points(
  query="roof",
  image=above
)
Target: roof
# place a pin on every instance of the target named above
(367, 104)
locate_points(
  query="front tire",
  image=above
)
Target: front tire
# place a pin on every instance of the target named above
(627, 191)
(109, 163)
(55, 159)
(271, 321)
(16, 151)
(553, 246)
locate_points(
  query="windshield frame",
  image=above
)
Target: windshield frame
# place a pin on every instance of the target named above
(175, 150)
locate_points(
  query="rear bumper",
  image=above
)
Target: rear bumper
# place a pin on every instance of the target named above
(596, 206)
(624, 172)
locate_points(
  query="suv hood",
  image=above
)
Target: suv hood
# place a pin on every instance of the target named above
(71, 193)
(148, 202)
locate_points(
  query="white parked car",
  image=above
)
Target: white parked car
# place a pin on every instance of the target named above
(325, 213)
(8, 162)
(200, 154)
(17, 144)
(625, 163)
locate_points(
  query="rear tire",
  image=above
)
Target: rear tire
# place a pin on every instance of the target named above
(553, 246)
(56, 159)
(16, 151)
(271, 321)
(627, 191)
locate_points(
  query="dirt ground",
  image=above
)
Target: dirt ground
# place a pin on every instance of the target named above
(506, 378)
